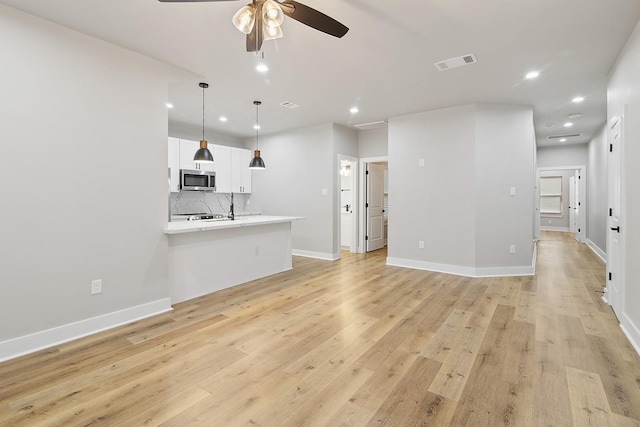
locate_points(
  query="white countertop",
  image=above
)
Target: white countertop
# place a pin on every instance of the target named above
(217, 224)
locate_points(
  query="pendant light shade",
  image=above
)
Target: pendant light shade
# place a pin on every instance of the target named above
(245, 18)
(271, 33)
(257, 162)
(203, 155)
(272, 15)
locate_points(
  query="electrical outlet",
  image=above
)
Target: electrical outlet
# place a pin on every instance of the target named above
(257, 252)
(513, 191)
(96, 287)
(512, 249)
(421, 244)
(421, 162)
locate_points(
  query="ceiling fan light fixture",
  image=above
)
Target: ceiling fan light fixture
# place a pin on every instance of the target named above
(271, 33)
(272, 14)
(245, 19)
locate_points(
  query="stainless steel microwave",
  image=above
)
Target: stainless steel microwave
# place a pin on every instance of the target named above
(197, 180)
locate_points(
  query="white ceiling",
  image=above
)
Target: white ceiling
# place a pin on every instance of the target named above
(384, 65)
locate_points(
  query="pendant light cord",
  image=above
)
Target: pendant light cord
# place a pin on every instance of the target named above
(203, 113)
(257, 127)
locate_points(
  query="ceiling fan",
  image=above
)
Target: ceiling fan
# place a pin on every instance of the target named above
(261, 20)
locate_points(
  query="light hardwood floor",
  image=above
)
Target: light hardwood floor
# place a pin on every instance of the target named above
(352, 343)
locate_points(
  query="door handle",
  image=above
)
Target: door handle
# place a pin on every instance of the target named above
(615, 229)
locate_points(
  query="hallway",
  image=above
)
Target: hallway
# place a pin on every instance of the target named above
(352, 342)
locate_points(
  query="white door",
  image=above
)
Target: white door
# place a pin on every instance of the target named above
(375, 207)
(572, 205)
(577, 207)
(536, 220)
(615, 285)
(346, 203)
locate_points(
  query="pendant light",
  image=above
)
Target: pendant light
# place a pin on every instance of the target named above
(257, 162)
(203, 155)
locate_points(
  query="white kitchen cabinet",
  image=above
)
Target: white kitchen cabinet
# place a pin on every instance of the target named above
(231, 166)
(174, 164)
(188, 149)
(240, 172)
(222, 168)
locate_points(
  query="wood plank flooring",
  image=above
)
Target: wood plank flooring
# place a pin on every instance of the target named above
(352, 343)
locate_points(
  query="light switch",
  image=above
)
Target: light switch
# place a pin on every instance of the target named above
(325, 192)
(421, 162)
(513, 191)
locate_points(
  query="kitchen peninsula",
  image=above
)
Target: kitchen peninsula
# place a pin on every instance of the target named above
(210, 255)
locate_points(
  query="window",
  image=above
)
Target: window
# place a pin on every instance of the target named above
(551, 195)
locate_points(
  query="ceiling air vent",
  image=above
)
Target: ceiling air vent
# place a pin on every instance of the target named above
(372, 125)
(288, 104)
(569, 135)
(459, 61)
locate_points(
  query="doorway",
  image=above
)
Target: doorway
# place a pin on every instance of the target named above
(347, 209)
(374, 204)
(560, 202)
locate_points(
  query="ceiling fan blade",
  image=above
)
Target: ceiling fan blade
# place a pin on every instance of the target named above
(255, 37)
(313, 18)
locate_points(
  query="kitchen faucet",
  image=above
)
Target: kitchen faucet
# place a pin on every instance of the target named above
(231, 214)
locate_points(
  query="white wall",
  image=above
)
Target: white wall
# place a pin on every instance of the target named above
(184, 131)
(459, 202)
(504, 150)
(373, 142)
(299, 165)
(623, 98)
(434, 203)
(81, 120)
(597, 208)
(562, 155)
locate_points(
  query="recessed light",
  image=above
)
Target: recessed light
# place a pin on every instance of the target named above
(563, 140)
(262, 68)
(354, 110)
(223, 119)
(575, 115)
(256, 127)
(532, 75)
(568, 124)
(549, 125)
(578, 99)
(169, 105)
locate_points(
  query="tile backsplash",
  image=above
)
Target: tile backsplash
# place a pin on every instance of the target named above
(189, 202)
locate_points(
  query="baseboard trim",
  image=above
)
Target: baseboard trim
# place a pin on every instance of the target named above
(26, 344)
(631, 332)
(316, 255)
(459, 270)
(601, 254)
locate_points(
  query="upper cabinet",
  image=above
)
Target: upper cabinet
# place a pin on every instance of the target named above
(222, 168)
(230, 164)
(240, 172)
(188, 149)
